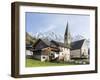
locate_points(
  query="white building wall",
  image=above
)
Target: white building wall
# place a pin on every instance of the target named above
(65, 54)
(75, 53)
(28, 52)
(84, 49)
(44, 57)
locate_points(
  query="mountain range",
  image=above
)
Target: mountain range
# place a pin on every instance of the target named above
(32, 38)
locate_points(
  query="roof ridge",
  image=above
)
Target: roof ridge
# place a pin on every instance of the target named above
(79, 40)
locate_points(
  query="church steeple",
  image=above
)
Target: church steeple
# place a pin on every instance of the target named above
(67, 36)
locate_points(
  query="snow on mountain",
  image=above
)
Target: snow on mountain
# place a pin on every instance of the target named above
(48, 36)
(77, 37)
(57, 37)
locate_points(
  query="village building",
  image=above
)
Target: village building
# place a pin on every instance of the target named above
(43, 49)
(79, 49)
(29, 51)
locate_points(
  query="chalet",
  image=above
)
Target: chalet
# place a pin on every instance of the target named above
(43, 49)
(79, 49)
(51, 50)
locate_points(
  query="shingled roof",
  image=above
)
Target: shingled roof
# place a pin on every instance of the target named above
(77, 44)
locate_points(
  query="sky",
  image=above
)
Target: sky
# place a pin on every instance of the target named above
(47, 22)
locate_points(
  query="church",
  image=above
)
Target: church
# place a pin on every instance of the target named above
(45, 50)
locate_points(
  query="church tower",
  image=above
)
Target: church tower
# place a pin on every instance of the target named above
(67, 36)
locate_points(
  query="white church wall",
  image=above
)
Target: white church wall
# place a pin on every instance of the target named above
(84, 49)
(67, 54)
(75, 53)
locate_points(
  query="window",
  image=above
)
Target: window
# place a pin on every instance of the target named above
(43, 57)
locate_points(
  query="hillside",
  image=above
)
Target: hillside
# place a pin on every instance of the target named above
(30, 39)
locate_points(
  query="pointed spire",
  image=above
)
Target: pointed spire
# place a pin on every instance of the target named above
(66, 30)
(67, 36)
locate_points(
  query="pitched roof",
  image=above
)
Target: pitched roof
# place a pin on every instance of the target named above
(77, 44)
(46, 42)
(58, 43)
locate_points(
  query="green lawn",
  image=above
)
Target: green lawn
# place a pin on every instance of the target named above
(37, 63)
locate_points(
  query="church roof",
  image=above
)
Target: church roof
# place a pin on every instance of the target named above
(77, 44)
(66, 30)
(58, 43)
